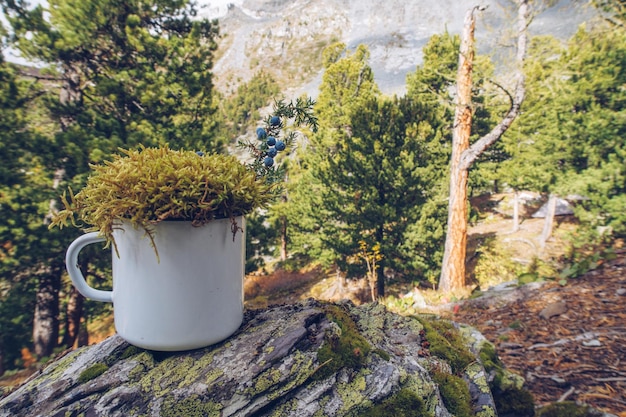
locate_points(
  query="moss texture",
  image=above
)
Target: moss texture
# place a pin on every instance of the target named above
(312, 359)
(405, 403)
(507, 389)
(92, 372)
(515, 401)
(455, 394)
(189, 407)
(447, 343)
(567, 409)
(346, 349)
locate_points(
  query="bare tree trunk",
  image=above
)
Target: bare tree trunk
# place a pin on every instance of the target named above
(549, 222)
(83, 334)
(74, 314)
(463, 156)
(46, 318)
(453, 267)
(515, 211)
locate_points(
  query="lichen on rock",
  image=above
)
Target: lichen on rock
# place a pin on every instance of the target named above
(308, 359)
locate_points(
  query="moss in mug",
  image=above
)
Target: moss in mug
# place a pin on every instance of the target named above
(150, 185)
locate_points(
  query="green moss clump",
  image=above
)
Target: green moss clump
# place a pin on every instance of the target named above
(92, 372)
(509, 398)
(349, 349)
(515, 401)
(130, 352)
(447, 343)
(567, 409)
(455, 394)
(405, 403)
(489, 358)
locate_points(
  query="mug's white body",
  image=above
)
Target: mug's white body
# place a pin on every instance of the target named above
(187, 297)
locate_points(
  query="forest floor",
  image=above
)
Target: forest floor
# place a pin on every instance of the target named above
(568, 342)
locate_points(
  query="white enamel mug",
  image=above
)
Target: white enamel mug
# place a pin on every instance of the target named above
(188, 297)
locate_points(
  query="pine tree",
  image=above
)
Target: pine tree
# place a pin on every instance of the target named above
(347, 83)
(119, 74)
(593, 125)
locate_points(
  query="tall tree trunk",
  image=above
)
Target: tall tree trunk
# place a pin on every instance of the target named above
(83, 335)
(46, 319)
(73, 316)
(453, 267)
(463, 156)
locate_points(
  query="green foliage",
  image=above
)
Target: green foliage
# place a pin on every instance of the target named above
(446, 343)
(433, 83)
(301, 113)
(151, 185)
(347, 83)
(404, 403)
(258, 235)
(583, 260)
(115, 74)
(134, 72)
(495, 264)
(455, 394)
(569, 139)
(92, 372)
(614, 11)
(27, 250)
(242, 109)
(348, 348)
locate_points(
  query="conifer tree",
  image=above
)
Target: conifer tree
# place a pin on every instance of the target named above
(593, 126)
(367, 174)
(118, 74)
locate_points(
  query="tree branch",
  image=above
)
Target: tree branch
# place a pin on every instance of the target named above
(473, 152)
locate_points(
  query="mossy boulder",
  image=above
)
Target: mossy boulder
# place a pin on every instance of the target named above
(308, 359)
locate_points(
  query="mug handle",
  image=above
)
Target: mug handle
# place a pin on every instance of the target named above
(71, 263)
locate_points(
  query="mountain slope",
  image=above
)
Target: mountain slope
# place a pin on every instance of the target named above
(286, 37)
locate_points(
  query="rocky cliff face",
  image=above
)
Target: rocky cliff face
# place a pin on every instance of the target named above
(309, 359)
(286, 37)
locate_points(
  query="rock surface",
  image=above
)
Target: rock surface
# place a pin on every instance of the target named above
(308, 359)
